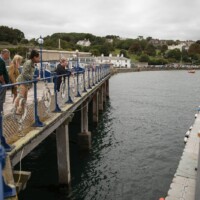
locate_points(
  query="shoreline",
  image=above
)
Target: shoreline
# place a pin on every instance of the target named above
(125, 70)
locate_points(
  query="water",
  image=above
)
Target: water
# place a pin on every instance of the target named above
(136, 146)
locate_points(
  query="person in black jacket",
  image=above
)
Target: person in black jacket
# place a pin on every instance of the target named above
(4, 78)
(61, 70)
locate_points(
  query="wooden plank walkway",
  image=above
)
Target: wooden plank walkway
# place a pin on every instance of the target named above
(184, 181)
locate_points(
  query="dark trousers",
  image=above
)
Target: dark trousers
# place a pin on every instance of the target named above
(2, 98)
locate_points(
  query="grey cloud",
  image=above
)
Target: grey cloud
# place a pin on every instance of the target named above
(177, 19)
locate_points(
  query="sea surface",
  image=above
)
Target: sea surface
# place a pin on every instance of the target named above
(136, 146)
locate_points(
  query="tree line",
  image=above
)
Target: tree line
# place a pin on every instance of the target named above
(138, 49)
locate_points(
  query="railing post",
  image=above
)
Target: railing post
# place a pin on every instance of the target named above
(37, 123)
(99, 74)
(89, 86)
(84, 89)
(93, 76)
(96, 74)
(104, 71)
(77, 74)
(107, 69)
(57, 108)
(68, 85)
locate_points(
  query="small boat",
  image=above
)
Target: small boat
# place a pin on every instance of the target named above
(191, 71)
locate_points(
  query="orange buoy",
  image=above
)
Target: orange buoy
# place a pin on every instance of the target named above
(162, 198)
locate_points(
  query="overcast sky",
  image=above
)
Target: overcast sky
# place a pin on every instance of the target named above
(162, 19)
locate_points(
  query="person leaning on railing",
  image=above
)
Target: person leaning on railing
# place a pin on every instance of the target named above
(14, 73)
(26, 75)
(61, 70)
(4, 78)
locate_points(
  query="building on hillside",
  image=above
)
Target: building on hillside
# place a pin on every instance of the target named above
(180, 46)
(85, 42)
(109, 40)
(140, 38)
(116, 61)
(154, 42)
(51, 58)
(157, 42)
(189, 42)
(55, 55)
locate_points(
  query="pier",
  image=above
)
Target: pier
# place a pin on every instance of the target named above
(48, 111)
(186, 182)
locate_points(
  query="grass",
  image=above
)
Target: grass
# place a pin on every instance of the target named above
(6, 45)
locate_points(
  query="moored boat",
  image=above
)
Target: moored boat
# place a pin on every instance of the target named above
(191, 71)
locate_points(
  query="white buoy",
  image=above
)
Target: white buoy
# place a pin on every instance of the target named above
(187, 134)
(195, 116)
(185, 139)
(190, 128)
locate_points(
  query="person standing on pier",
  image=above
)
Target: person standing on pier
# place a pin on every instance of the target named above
(14, 73)
(61, 70)
(26, 75)
(4, 78)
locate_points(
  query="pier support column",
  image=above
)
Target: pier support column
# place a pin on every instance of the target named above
(107, 88)
(84, 138)
(95, 109)
(104, 92)
(101, 98)
(63, 159)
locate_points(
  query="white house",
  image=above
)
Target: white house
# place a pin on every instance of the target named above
(117, 61)
(183, 45)
(85, 42)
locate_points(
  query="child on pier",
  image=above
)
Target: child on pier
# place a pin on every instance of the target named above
(26, 75)
(14, 73)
